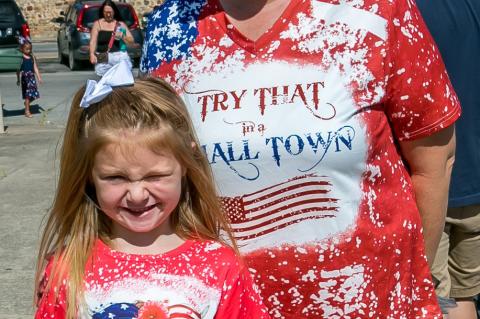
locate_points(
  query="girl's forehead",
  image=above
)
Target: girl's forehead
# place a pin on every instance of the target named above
(107, 8)
(124, 154)
(129, 142)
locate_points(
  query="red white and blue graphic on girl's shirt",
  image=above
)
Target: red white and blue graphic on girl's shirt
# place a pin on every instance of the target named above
(198, 280)
(300, 128)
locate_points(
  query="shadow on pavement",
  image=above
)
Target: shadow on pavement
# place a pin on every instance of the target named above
(34, 109)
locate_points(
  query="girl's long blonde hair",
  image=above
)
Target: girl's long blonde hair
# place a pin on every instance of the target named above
(150, 107)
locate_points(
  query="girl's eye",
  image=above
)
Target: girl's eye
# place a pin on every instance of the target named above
(114, 178)
(154, 178)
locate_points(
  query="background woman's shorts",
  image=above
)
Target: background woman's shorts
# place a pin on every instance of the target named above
(113, 58)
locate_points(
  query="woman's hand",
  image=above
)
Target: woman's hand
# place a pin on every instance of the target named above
(93, 59)
(119, 34)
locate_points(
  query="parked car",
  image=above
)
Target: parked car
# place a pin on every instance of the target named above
(12, 26)
(73, 37)
(144, 21)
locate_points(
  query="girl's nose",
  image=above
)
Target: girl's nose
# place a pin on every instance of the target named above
(137, 193)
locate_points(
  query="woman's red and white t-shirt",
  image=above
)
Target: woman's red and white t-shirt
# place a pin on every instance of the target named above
(300, 128)
(198, 280)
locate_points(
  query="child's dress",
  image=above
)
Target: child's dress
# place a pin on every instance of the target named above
(198, 280)
(29, 83)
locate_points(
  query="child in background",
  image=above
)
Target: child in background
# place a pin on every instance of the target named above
(135, 229)
(26, 76)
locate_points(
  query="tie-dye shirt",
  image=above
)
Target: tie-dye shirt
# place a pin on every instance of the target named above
(198, 280)
(300, 128)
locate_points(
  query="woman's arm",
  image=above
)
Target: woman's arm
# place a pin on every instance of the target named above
(35, 69)
(93, 41)
(430, 161)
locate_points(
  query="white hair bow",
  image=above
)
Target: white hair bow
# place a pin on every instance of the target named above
(119, 75)
(22, 40)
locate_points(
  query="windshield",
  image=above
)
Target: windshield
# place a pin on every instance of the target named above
(8, 13)
(91, 15)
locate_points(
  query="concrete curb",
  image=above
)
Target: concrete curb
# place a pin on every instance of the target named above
(43, 40)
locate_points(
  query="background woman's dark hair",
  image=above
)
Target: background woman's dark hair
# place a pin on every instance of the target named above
(116, 13)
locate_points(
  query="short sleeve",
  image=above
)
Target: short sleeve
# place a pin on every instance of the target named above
(420, 98)
(50, 304)
(240, 299)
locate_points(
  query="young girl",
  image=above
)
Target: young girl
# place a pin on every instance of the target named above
(26, 75)
(135, 228)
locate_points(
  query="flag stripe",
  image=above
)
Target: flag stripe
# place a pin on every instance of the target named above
(183, 311)
(291, 201)
(306, 180)
(249, 228)
(251, 201)
(182, 315)
(303, 202)
(243, 237)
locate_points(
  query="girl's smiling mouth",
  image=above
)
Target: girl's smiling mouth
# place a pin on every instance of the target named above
(138, 211)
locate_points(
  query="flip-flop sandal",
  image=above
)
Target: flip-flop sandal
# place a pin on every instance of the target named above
(28, 114)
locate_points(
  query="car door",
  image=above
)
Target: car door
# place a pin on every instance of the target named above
(69, 27)
(62, 33)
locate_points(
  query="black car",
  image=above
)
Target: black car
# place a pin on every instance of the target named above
(73, 37)
(12, 26)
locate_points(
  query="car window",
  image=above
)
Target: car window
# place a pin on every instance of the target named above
(73, 16)
(8, 12)
(69, 14)
(127, 15)
(91, 15)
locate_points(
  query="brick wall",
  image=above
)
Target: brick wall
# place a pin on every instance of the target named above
(39, 14)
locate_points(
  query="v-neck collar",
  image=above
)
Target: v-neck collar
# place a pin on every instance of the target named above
(265, 39)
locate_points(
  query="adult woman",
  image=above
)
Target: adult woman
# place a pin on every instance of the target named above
(308, 111)
(109, 39)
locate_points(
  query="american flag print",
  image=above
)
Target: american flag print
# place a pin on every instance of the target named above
(197, 280)
(276, 207)
(324, 96)
(146, 310)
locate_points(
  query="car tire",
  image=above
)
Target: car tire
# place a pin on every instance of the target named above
(136, 62)
(61, 58)
(73, 64)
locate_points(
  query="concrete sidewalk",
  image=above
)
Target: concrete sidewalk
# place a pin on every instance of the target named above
(27, 182)
(28, 168)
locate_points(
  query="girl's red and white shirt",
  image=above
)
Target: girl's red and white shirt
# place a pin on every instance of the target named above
(198, 280)
(301, 129)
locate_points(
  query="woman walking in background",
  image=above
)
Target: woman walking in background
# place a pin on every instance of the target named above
(109, 39)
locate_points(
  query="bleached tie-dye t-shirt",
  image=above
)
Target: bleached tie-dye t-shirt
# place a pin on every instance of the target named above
(198, 280)
(300, 128)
